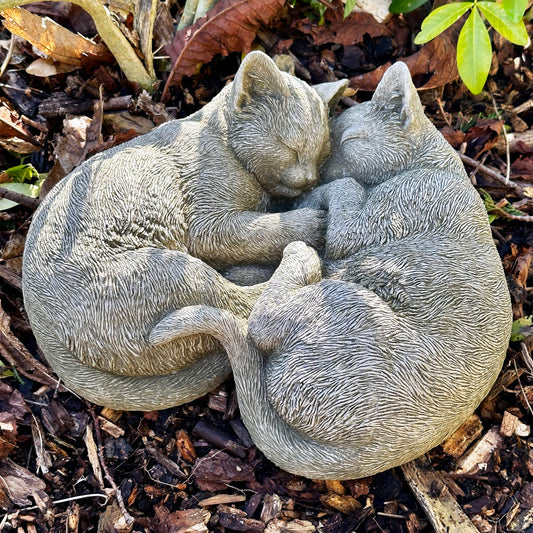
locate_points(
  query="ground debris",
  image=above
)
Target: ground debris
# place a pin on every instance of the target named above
(194, 468)
(218, 469)
(236, 520)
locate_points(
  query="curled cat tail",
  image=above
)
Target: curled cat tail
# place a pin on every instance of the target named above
(280, 442)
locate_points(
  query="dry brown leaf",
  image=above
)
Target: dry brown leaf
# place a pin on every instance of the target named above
(230, 26)
(11, 125)
(20, 482)
(483, 136)
(523, 168)
(434, 65)
(44, 67)
(453, 136)
(14, 352)
(348, 31)
(54, 40)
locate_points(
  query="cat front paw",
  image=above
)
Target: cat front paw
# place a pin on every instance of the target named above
(313, 226)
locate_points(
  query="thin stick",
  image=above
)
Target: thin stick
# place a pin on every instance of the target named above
(57, 502)
(22, 199)
(442, 112)
(522, 388)
(521, 218)
(507, 150)
(525, 106)
(491, 173)
(118, 495)
(9, 53)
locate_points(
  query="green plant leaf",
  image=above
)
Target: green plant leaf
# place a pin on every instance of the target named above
(405, 6)
(522, 328)
(513, 31)
(22, 173)
(29, 189)
(440, 19)
(474, 53)
(348, 7)
(515, 9)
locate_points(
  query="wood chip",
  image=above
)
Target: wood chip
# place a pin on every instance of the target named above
(470, 431)
(345, 504)
(271, 507)
(237, 520)
(218, 401)
(222, 499)
(110, 428)
(92, 453)
(511, 425)
(19, 482)
(294, 526)
(44, 460)
(335, 486)
(217, 469)
(185, 446)
(111, 414)
(171, 467)
(480, 454)
(443, 511)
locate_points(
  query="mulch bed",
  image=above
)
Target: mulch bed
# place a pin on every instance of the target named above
(193, 468)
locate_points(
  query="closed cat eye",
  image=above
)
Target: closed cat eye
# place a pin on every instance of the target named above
(291, 150)
(349, 136)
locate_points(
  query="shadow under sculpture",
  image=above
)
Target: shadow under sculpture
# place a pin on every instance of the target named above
(380, 360)
(137, 231)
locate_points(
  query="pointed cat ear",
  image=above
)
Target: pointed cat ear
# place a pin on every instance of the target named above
(257, 76)
(331, 92)
(396, 96)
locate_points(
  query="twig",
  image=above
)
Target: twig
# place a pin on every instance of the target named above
(507, 150)
(118, 495)
(442, 112)
(57, 502)
(491, 173)
(7, 59)
(23, 89)
(22, 199)
(522, 388)
(472, 174)
(523, 107)
(526, 357)
(520, 218)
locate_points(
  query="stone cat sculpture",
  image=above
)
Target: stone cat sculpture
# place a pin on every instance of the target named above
(133, 233)
(347, 376)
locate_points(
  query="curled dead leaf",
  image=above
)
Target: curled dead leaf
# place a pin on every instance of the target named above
(348, 31)
(53, 39)
(434, 65)
(230, 26)
(43, 68)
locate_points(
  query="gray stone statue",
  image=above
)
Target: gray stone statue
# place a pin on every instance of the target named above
(137, 231)
(371, 361)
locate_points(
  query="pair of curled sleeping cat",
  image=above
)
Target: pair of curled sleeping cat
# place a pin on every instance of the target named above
(345, 365)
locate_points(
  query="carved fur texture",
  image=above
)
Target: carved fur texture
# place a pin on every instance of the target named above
(135, 232)
(377, 357)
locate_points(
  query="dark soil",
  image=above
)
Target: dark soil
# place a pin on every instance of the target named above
(168, 465)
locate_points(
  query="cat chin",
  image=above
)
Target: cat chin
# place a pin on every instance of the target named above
(282, 191)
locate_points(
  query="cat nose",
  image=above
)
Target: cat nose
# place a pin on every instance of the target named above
(306, 179)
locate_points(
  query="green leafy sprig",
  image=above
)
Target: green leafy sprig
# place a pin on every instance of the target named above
(474, 48)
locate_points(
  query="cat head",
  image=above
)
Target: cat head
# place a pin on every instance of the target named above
(278, 125)
(373, 140)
